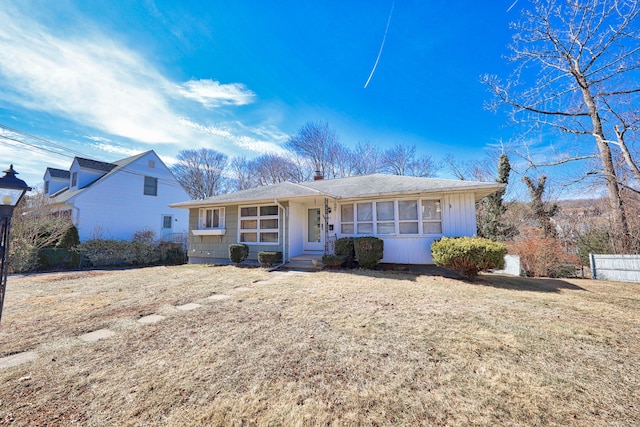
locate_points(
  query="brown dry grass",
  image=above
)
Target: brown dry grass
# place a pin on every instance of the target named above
(328, 348)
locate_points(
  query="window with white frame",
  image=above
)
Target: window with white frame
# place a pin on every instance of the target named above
(259, 224)
(431, 217)
(150, 186)
(211, 218)
(391, 217)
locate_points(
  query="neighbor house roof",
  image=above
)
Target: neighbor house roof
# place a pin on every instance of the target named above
(58, 173)
(377, 185)
(64, 195)
(94, 164)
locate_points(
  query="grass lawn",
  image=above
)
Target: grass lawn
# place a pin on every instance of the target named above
(328, 348)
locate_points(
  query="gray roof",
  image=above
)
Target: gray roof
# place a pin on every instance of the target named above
(58, 173)
(95, 164)
(365, 186)
(65, 194)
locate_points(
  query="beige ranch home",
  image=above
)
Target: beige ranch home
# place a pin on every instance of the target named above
(304, 219)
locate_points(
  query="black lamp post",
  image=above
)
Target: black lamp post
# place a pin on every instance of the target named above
(11, 191)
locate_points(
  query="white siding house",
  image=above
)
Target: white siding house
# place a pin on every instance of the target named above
(408, 213)
(116, 200)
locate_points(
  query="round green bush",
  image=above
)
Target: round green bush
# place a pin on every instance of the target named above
(468, 255)
(238, 252)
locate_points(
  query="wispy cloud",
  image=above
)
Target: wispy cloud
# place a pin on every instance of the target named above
(101, 84)
(242, 141)
(213, 94)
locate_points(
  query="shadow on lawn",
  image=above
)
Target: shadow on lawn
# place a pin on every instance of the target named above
(412, 272)
(526, 283)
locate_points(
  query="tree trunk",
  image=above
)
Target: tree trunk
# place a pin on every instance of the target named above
(613, 188)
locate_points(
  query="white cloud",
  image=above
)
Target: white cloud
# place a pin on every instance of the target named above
(241, 141)
(109, 89)
(116, 149)
(214, 94)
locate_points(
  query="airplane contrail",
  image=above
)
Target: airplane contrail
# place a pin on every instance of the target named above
(381, 46)
(513, 4)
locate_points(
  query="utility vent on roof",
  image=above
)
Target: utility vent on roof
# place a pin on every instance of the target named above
(152, 164)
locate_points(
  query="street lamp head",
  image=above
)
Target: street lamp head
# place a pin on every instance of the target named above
(11, 188)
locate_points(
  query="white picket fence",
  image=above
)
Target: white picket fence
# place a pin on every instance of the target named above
(622, 268)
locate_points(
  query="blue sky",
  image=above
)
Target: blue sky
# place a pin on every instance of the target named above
(108, 79)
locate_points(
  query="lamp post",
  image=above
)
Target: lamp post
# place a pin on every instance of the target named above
(11, 191)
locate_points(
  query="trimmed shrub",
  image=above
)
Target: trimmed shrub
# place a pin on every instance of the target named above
(70, 239)
(57, 258)
(344, 248)
(268, 259)
(334, 261)
(368, 251)
(238, 252)
(113, 253)
(468, 255)
(172, 253)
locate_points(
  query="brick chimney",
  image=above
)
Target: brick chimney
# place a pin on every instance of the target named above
(318, 176)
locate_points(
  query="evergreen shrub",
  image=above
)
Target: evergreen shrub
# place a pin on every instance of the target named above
(334, 261)
(468, 255)
(268, 258)
(238, 252)
(368, 251)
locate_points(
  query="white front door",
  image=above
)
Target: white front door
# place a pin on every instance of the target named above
(167, 228)
(314, 234)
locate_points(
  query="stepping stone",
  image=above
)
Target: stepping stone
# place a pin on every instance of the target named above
(241, 288)
(18, 359)
(187, 307)
(152, 318)
(219, 297)
(94, 336)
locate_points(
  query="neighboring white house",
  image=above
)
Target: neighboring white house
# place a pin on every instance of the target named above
(408, 213)
(115, 200)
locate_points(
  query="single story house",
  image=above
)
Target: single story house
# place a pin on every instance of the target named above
(116, 200)
(300, 219)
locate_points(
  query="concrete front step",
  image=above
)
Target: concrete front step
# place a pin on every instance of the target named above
(307, 261)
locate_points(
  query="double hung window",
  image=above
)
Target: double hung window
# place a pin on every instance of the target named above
(259, 224)
(150, 186)
(212, 218)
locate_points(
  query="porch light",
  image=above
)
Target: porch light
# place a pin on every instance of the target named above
(12, 190)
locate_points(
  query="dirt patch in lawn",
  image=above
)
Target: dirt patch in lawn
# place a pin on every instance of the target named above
(328, 348)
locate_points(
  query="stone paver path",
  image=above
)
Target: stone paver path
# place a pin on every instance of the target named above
(17, 359)
(20, 358)
(187, 307)
(152, 318)
(98, 335)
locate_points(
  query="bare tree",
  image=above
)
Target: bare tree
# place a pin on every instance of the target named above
(402, 160)
(318, 144)
(366, 158)
(476, 170)
(241, 176)
(201, 172)
(36, 224)
(577, 70)
(274, 168)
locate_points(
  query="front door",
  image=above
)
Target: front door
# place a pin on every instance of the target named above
(314, 236)
(167, 228)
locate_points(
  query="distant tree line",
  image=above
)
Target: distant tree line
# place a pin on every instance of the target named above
(315, 148)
